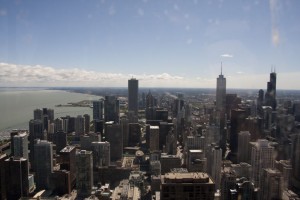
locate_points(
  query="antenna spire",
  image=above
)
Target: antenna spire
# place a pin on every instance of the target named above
(221, 69)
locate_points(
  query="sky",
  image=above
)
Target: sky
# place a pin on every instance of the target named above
(162, 43)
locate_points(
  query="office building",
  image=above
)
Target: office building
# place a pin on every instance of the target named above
(35, 132)
(16, 176)
(134, 134)
(67, 155)
(43, 164)
(133, 90)
(125, 131)
(79, 125)
(270, 96)
(38, 114)
(221, 93)
(154, 138)
(60, 140)
(111, 109)
(87, 121)
(196, 185)
(169, 162)
(3, 157)
(271, 184)
(101, 154)
(261, 157)
(243, 154)
(196, 161)
(114, 136)
(98, 110)
(84, 173)
(295, 161)
(20, 145)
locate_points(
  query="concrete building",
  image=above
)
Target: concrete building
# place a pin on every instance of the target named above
(196, 161)
(178, 186)
(261, 157)
(84, 173)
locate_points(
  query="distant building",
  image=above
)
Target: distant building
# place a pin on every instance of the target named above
(84, 170)
(67, 155)
(60, 140)
(221, 93)
(79, 125)
(196, 162)
(270, 96)
(133, 89)
(196, 185)
(243, 153)
(35, 132)
(87, 121)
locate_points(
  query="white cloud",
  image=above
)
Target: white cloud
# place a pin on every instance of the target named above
(189, 41)
(16, 75)
(226, 55)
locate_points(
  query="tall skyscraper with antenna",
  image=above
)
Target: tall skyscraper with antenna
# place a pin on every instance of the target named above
(270, 96)
(221, 92)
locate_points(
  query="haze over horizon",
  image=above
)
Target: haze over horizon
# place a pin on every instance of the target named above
(161, 43)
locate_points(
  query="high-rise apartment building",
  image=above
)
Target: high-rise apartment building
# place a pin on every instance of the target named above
(133, 89)
(98, 110)
(196, 185)
(79, 125)
(84, 170)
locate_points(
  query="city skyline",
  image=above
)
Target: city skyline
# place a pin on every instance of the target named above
(170, 43)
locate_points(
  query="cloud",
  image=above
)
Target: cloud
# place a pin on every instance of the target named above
(3, 12)
(189, 41)
(112, 11)
(274, 7)
(140, 12)
(226, 55)
(11, 74)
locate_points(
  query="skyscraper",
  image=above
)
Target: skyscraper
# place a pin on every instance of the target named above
(97, 110)
(221, 93)
(20, 145)
(261, 157)
(101, 154)
(84, 178)
(43, 163)
(133, 87)
(111, 109)
(270, 96)
(35, 132)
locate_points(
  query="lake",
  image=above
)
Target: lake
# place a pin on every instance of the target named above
(17, 105)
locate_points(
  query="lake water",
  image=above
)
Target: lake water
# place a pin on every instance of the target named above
(17, 105)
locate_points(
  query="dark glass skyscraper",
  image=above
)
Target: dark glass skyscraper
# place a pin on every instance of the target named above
(133, 87)
(270, 96)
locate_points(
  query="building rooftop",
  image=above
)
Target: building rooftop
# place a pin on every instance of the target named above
(67, 149)
(191, 177)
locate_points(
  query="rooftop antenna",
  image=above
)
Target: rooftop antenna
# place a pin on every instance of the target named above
(221, 69)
